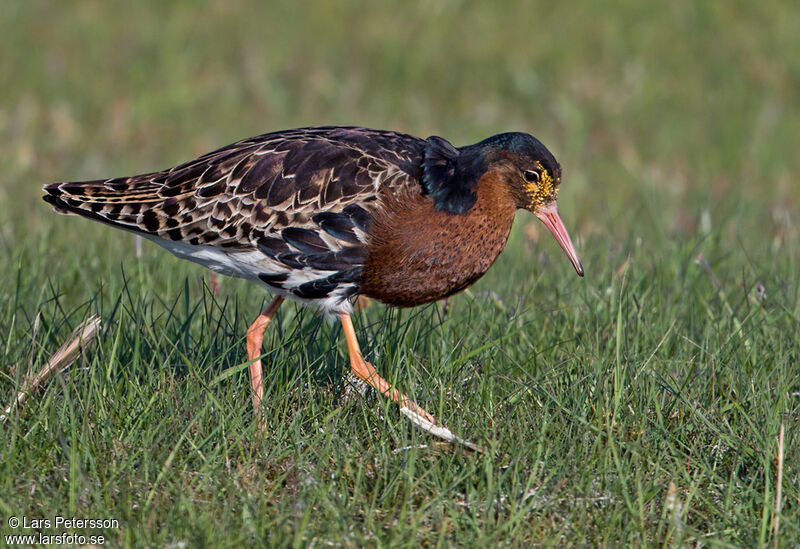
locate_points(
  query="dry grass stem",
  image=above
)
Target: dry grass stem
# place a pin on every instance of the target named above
(61, 359)
(777, 521)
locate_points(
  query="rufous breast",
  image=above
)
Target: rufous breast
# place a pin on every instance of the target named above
(417, 254)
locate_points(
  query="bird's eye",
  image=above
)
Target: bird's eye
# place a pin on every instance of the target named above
(531, 176)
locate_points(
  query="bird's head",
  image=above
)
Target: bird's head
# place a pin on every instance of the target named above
(534, 176)
(527, 170)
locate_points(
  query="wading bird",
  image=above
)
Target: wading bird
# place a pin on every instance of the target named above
(322, 215)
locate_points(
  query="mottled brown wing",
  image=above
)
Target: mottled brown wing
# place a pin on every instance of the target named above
(257, 189)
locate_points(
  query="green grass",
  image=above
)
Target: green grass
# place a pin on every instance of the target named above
(677, 126)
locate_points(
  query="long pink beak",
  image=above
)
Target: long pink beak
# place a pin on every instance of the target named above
(550, 217)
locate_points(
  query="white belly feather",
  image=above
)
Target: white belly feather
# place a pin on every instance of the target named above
(249, 264)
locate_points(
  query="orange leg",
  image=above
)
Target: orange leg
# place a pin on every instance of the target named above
(365, 371)
(255, 337)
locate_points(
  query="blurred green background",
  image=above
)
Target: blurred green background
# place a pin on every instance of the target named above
(691, 103)
(677, 125)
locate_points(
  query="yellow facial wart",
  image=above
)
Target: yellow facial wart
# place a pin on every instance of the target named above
(543, 191)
